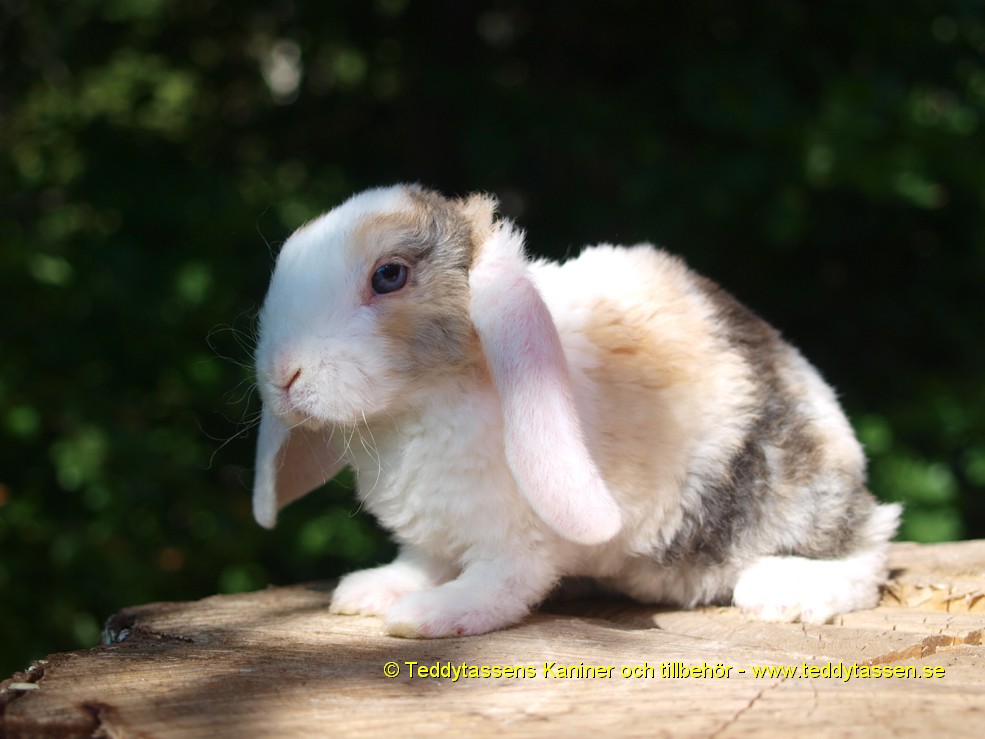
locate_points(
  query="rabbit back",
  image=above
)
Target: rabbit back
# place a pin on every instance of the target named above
(720, 442)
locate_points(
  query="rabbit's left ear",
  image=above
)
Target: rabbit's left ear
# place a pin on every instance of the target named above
(290, 462)
(544, 445)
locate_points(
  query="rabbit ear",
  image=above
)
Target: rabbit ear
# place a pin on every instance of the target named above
(544, 445)
(290, 462)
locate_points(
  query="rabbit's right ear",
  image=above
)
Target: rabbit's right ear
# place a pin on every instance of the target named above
(544, 445)
(290, 462)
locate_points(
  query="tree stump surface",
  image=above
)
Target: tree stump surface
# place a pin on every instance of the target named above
(274, 663)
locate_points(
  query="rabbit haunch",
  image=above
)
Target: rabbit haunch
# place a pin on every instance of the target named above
(513, 422)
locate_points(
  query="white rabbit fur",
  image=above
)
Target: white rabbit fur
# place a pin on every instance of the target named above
(515, 422)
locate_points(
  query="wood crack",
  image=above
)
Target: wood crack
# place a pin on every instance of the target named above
(276, 663)
(123, 626)
(8, 690)
(745, 709)
(927, 647)
(106, 722)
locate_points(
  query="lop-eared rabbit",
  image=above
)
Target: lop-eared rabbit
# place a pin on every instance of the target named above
(513, 422)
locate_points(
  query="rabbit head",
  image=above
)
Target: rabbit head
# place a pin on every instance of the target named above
(399, 293)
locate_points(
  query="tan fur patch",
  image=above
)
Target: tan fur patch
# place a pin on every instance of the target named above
(479, 210)
(636, 375)
(428, 320)
(656, 364)
(633, 353)
(663, 342)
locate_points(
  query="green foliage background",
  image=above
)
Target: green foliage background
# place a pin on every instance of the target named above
(825, 161)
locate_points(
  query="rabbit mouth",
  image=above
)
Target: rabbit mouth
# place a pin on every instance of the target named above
(299, 419)
(301, 415)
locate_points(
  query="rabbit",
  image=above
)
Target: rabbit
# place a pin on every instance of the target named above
(513, 422)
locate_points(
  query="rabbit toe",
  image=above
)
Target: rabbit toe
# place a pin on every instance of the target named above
(369, 592)
(430, 615)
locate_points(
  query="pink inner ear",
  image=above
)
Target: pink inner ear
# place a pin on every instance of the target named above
(544, 444)
(290, 463)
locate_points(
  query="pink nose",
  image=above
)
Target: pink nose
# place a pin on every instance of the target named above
(293, 379)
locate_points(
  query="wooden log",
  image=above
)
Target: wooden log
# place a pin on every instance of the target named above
(275, 664)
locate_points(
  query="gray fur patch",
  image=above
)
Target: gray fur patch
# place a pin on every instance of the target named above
(737, 509)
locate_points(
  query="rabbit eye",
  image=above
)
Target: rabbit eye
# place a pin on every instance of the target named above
(389, 277)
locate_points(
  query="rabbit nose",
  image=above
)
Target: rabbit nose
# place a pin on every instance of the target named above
(294, 378)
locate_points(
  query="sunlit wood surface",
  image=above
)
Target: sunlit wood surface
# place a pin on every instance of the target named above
(276, 664)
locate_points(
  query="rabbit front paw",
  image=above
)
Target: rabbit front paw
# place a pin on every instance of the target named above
(372, 592)
(441, 612)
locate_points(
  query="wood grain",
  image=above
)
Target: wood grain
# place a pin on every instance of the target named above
(276, 664)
